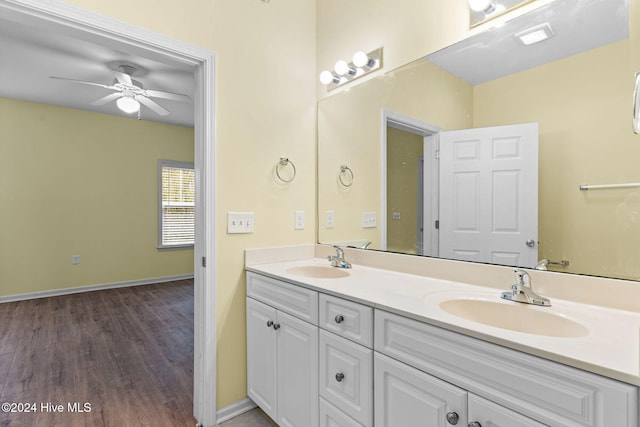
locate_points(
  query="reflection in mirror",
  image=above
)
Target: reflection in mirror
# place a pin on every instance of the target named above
(575, 88)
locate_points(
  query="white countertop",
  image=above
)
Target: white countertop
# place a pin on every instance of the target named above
(610, 348)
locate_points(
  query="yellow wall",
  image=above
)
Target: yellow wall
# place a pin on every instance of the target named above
(349, 125)
(404, 150)
(583, 106)
(265, 100)
(81, 183)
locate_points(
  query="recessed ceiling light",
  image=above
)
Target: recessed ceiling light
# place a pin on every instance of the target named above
(535, 34)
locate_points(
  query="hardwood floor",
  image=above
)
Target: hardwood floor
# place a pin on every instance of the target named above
(123, 356)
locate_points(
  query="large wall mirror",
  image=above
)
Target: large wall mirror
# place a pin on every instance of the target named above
(478, 152)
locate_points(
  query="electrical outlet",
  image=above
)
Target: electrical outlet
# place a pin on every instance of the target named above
(239, 222)
(299, 224)
(395, 215)
(75, 259)
(368, 219)
(329, 219)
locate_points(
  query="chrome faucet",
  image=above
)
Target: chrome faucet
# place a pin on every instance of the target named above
(338, 260)
(521, 291)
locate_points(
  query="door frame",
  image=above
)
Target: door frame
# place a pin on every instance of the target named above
(430, 134)
(110, 32)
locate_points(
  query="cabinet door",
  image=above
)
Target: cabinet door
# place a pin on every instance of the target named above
(297, 372)
(490, 414)
(346, 376)
(261, 356)
(404, 396)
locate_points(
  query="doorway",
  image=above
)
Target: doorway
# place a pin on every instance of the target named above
(108, 32)
(409, 219)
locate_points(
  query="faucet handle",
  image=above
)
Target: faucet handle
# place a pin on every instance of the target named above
(520, 277)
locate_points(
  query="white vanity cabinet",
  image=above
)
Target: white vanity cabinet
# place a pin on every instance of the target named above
(346, 363)
(406, 396)
(282, 350)
(504, 386)
(317, 360)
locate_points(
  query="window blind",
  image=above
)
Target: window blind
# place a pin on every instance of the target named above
(178, 206)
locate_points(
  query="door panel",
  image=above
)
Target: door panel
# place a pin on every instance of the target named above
(489, 414)
(261, 356)
(406, 396)
(489, 194)
(297, 372)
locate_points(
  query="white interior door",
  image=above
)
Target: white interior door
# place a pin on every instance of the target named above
(489, 195)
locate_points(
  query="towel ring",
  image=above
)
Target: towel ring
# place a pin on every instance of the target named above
(345, 170)
(284, 162)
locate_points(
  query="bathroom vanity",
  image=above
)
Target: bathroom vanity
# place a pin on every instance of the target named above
(367, 346)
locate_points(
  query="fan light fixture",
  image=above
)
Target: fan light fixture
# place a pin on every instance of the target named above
(344, 72)
(128, 104)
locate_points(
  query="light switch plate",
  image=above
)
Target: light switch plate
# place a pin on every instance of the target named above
(239, 222)
(368, 219)
(329, 219)
(299, 221)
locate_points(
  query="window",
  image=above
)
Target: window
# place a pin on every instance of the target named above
(177, 204)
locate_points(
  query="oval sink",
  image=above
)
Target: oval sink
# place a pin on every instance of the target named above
(515, 317)
(318, 271)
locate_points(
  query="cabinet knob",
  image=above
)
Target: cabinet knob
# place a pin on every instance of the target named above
(339, 376)
(269, 323)
(474, 424)
(339, 318)
(452, 418)
(276, 326)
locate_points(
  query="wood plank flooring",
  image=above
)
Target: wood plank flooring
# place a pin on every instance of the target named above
(127, 353)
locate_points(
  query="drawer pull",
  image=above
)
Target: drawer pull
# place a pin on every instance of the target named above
(474, 424)
(339, 318)
(276, 326)
(452, 418)
(339, 376)
(269, 323)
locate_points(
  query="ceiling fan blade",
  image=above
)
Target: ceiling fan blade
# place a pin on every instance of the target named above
(123, 78)
(168, 95)
(108, 98)
(82, 82)
(156, 108)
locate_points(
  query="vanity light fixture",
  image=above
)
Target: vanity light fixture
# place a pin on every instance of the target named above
(535, 34)
(485, 6)
(343, 72)
(128, 104)
(481, 11)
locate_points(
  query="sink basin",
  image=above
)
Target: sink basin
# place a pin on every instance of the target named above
(318, 271)
(515, 317)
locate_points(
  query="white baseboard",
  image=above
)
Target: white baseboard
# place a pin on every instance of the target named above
(89, 288)
(235, 409)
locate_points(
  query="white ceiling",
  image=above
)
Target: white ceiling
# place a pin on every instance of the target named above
(29, 55)
(579, 25)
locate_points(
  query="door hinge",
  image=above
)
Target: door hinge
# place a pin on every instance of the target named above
(204, 261)
(437, 154)
(437, 224)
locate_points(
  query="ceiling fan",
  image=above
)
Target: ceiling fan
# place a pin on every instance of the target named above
(129, 93)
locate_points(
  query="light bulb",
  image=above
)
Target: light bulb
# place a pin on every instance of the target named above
(128, 104)
(327, 77)
(341, 68)
(360, 59)
(486, 6)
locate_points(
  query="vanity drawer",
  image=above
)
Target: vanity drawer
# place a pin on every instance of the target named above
(330, 416)
(346, 376)
(292, 299)
(550, 392)
(347, 319)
